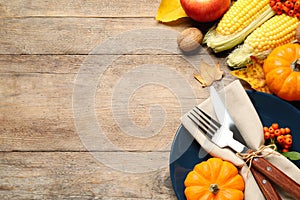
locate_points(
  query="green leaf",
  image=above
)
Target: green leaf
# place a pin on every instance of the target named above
(293, 155)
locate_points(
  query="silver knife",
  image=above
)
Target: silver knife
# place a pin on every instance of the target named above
(261, 168)
(223, 115)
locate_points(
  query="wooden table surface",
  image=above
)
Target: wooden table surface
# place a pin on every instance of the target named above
(71, 131)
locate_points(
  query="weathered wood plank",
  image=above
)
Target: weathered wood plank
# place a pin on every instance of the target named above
(44, 47)
(67, 35)
(79, 8)
(37, 96)
(41, 64)
(76, 175)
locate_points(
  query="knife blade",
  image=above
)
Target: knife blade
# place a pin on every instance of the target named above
(224, 116)
(223, 137)
(225, 119)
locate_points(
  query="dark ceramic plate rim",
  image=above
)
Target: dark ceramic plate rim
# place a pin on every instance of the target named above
(255, 97)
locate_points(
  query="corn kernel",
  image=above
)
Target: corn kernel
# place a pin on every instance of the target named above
(241, 13)
(273, 33)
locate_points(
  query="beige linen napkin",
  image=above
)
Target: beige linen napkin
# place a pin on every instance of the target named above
(247, 121)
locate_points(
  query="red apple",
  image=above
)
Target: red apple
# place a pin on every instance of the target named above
(205, 10)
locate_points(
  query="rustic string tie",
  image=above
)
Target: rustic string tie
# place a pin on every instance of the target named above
(249, 156)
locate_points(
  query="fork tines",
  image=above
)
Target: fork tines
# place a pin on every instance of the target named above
(205, 123)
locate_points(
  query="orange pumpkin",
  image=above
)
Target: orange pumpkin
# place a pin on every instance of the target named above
(282, 71)
(214, 179)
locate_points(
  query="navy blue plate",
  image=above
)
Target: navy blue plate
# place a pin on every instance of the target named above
(186, 152)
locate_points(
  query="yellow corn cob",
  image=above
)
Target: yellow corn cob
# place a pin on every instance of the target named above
(240, 15)
(278, 30)
(243, 17)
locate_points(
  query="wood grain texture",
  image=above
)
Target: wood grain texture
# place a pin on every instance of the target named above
(43, 48)
(75, 175)
(79, 8)
(43, 35)
(277, 176)
(36, 105)
(267, 188)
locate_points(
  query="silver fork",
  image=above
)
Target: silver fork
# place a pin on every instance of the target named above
(223, 137)
(220, 136)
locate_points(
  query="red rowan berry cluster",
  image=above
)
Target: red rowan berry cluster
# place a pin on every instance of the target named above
(289, 7)
(277, 135)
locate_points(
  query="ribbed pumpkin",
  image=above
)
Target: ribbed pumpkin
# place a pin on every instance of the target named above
(214, 179)
(282, 71)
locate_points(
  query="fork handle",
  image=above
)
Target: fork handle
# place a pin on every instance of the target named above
(265, 185)
(276, 176)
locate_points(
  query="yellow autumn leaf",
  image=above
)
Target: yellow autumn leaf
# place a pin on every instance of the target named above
(208, 74)
(170, 10)
(254, 75)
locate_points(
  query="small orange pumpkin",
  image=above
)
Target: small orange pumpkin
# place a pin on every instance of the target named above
(282, 71)
(214, 179)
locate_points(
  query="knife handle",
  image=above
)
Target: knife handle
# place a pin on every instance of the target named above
(276, 176)
(265, 186)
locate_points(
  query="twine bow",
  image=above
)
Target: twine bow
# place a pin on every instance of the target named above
(249, 156)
